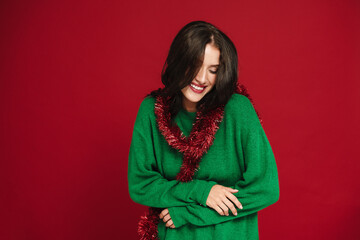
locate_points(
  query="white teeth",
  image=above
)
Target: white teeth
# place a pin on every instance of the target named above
(196, 87)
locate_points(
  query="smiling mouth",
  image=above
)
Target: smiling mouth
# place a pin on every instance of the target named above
(197, 89)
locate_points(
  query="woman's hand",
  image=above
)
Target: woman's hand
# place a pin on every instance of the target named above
(219, 199)
(165, 216)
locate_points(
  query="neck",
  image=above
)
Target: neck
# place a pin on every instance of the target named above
(189, 106)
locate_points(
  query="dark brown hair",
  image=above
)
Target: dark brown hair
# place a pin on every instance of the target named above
(185, 59)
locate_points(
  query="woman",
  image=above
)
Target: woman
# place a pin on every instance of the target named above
(199, 157)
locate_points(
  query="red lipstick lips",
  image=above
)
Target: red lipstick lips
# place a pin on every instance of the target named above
(197, 90)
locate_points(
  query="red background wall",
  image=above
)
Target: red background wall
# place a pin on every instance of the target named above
(72, 76)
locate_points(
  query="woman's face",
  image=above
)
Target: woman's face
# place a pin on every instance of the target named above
(204, 81)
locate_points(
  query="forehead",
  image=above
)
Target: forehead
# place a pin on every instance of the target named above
(211, 55)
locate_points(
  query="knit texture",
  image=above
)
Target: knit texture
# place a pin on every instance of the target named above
(240, 157)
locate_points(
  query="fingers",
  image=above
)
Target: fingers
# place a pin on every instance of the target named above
(232, 190)
(219, 210)
(166, 218)
(230, 205)
(234, 200)
(163, 213)
(169, 223)
(224, 208)
(222, 198)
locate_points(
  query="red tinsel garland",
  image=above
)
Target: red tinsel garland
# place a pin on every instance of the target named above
(193, 148)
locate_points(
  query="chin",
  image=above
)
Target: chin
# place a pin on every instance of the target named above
(193, 97)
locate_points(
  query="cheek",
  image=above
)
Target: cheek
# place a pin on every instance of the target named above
(212, 81)
(185, 89)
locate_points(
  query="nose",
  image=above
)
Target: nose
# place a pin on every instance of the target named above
(201, 76)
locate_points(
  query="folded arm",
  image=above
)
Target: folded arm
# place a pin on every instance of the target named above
(146, 184)
(258, 187)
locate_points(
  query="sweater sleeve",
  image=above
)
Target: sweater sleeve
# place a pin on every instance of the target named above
(258, 187)
(146, 184)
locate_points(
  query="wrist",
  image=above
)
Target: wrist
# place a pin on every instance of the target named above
(206, 192)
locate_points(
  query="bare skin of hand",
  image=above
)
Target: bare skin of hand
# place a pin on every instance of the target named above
(219, 199)
(165, 216)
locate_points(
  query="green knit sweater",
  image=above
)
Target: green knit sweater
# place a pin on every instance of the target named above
(240, 157)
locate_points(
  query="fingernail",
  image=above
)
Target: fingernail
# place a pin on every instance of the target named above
(241, 207)
(235, 213)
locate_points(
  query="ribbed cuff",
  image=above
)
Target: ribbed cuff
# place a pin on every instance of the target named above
(176, 217)
(200, 191)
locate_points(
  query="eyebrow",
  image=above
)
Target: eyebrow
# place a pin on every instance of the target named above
(214, 65)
